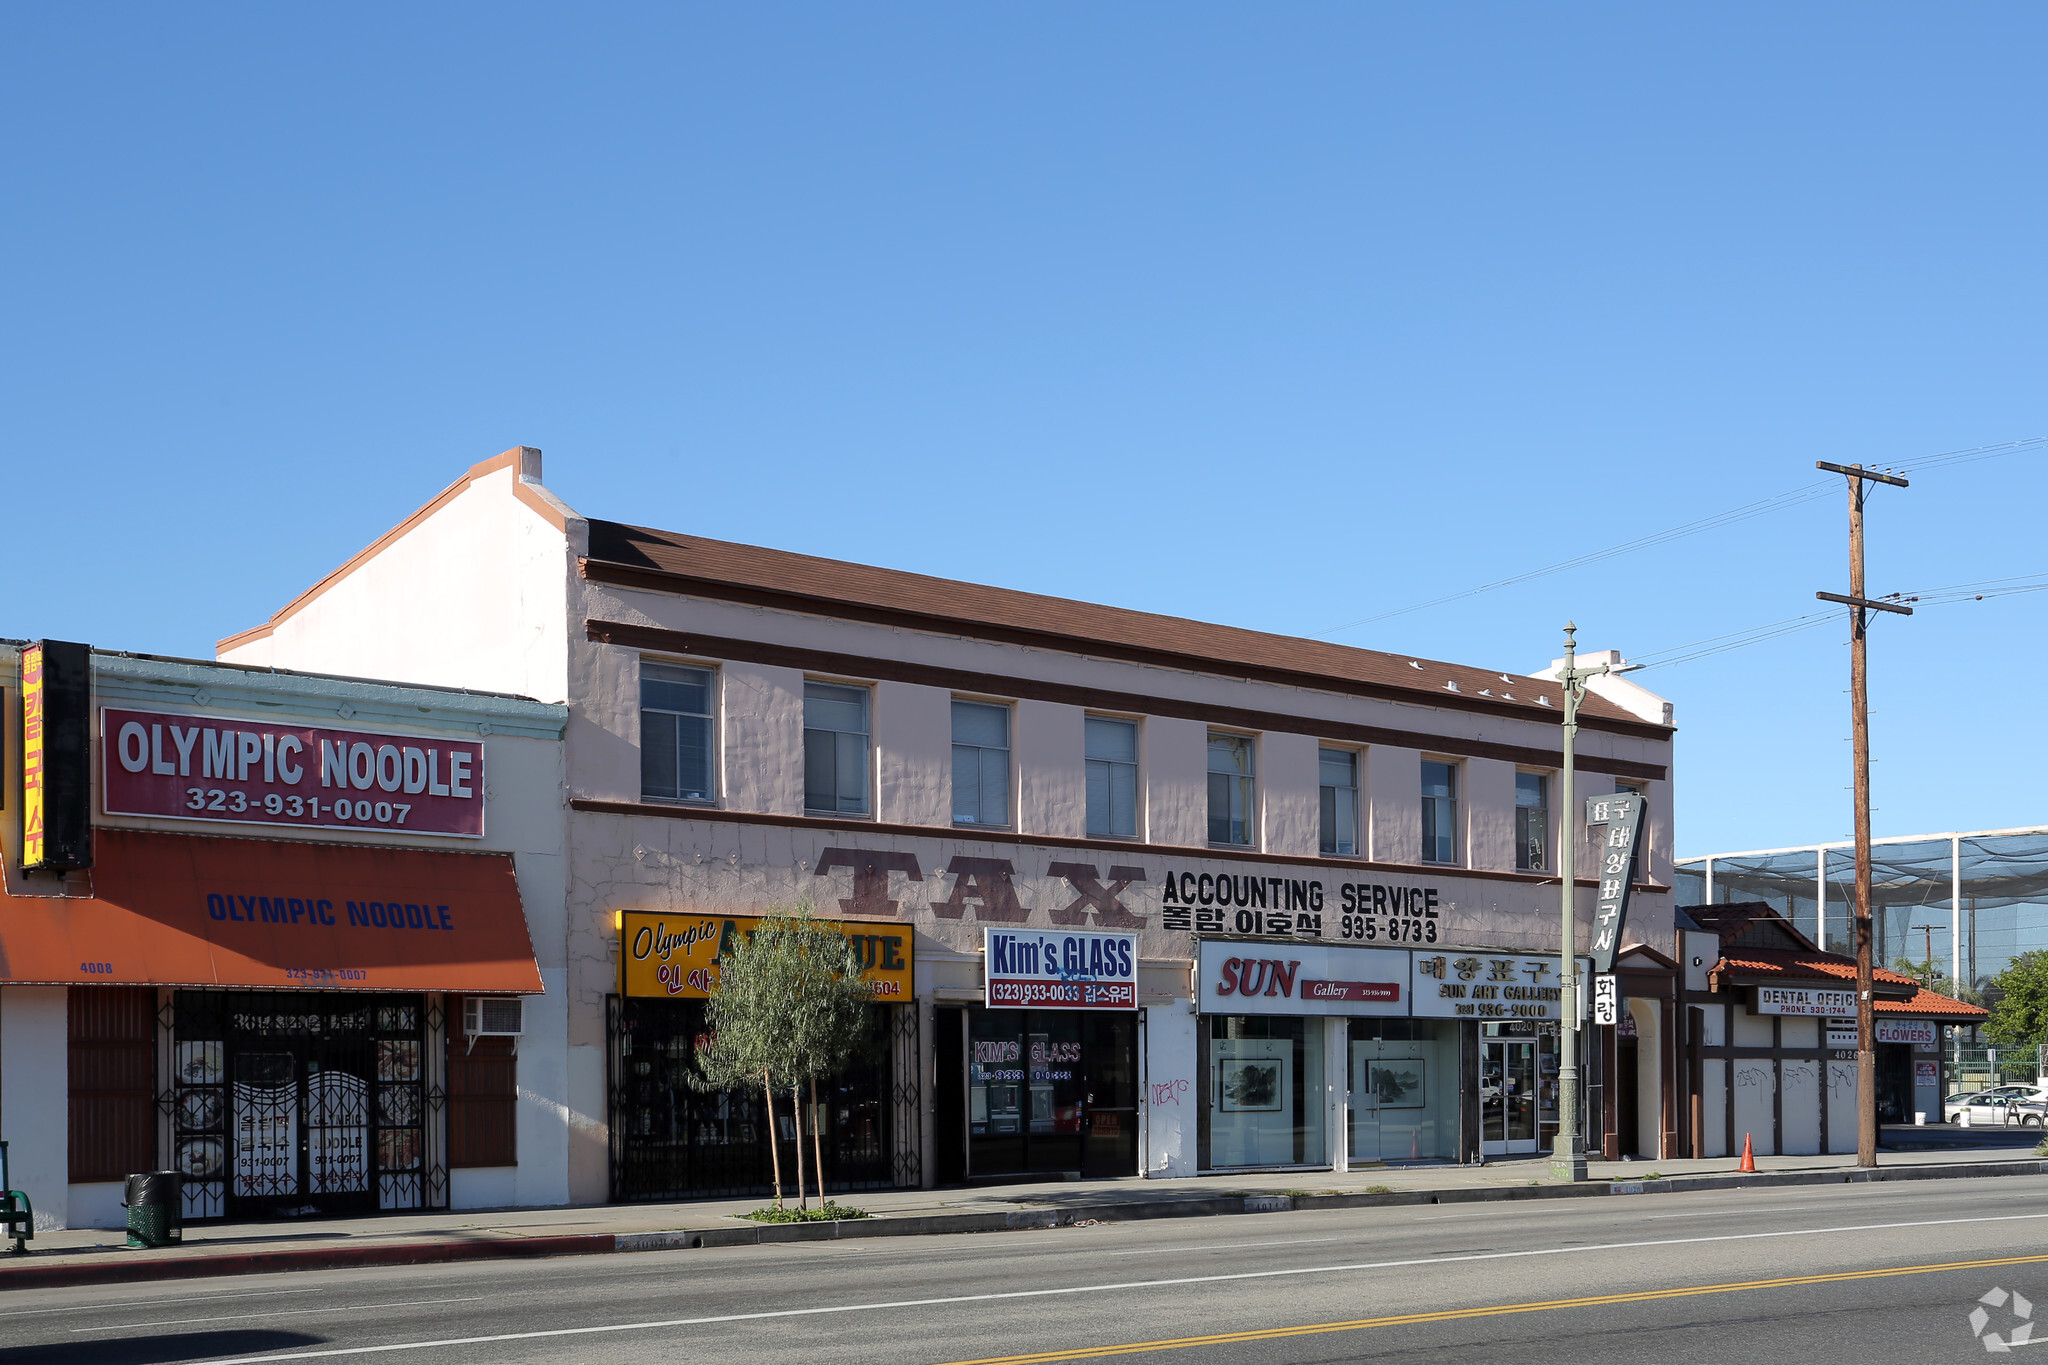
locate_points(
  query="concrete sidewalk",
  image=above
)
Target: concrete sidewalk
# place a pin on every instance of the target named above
(81, 1256)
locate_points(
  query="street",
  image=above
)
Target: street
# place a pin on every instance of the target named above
(1879, 1273)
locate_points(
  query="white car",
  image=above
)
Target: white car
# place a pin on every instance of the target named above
(1992, 1108)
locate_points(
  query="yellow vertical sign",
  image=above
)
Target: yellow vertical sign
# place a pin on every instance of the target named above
(32, 772)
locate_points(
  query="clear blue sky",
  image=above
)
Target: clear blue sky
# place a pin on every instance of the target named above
(1280, 316)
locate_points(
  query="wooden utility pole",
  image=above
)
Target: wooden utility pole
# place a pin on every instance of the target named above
(1859, 719)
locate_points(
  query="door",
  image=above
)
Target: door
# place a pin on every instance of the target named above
(1112, 1097)
(1625, 1098)
(1507, 1096)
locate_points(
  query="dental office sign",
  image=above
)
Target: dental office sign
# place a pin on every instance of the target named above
(178, 767)
(1059, 969)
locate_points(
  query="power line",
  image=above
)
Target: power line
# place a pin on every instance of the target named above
(1742, 639)
(1792, 498)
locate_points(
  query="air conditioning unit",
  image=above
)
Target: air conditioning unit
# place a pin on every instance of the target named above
(485, 1016)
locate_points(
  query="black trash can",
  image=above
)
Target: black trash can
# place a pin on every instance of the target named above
(156, 1215)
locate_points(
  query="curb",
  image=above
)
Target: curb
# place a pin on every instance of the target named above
(179, 1267)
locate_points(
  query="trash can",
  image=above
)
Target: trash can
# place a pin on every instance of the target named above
(155, 1208)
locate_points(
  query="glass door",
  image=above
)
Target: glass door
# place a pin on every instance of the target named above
(1507, 1096)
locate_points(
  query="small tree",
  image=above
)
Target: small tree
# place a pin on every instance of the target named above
(790, 1006)
(2019, 1018)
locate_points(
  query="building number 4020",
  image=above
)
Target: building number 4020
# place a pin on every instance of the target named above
(300, 807)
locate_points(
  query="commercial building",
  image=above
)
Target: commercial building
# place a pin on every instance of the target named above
(297, 936)
(1771, 1039)
(1095, 856)
(1951, 910)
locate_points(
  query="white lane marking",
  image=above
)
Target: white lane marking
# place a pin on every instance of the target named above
(276, 1313)
(1236, 1246)
(1746, 1213)
(1069, 1290)
(116, 1305)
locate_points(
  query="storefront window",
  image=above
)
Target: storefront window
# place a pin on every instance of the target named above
(1264, 1082)
(1403, 1075)
(1051, 1090)
(673, 1141)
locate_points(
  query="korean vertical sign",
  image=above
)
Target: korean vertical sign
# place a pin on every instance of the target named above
(1619, 818)
(56, 750)
(32, 756)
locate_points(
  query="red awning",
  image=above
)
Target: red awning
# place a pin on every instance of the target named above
(183, 910)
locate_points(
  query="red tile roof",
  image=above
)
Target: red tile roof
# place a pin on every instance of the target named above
(918, 600)
(1927, 1004)
(1781, 964)
(1792, 964)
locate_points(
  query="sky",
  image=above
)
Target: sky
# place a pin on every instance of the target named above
(1286, 317)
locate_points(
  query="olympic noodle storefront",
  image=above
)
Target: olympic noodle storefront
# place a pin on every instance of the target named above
(671, 1140)
(268, 1017)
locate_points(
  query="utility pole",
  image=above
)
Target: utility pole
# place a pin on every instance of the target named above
(1568, 1159)
(1859, 717)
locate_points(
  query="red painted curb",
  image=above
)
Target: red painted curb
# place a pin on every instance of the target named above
(175, 1267)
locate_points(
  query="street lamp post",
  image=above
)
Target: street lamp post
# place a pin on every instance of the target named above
(1568, 1160)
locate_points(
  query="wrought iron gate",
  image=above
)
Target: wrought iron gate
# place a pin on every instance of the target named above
(289, 1103)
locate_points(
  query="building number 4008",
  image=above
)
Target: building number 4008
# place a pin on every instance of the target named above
(1398, 930)
(379, 812)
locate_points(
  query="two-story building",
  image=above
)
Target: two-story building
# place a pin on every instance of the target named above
(1332, 867)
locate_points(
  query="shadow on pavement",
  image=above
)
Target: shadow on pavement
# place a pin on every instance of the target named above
(158, 1349)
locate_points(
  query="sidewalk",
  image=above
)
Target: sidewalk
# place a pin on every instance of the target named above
(81, 1256)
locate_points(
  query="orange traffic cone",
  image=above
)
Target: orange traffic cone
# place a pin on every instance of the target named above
(1748, 1162)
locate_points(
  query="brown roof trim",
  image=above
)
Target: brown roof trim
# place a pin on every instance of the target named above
(896, 670)
(662, 810)
(1103, 645)
(374, 548)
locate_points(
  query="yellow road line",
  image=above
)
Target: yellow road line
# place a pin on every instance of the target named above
(1497, 1310)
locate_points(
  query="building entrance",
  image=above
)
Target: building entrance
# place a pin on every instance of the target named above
(290, 1103)
(1050, 1090)
(1507, 1096)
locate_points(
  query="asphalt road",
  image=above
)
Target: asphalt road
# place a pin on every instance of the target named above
(1812, 1274)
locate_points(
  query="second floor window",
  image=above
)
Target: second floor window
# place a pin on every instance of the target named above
(835, 748)
(1340, 801)
(1532, 822)
(1112, 778)
(1439, 812)
(1231, 794)
(981, 763)
(675, 733)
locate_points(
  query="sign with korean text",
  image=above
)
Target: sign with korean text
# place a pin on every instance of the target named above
(675, 956)
(1483, 984)
(1606, 1000)
(1802, 1001)
(56, 749)
(1841, 1033)
(1619, 819)
(1918, 1032)
(1300, 978)
(1059, 969)
(32, 756)
(179, 767)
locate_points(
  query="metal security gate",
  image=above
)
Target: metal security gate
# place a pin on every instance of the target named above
(670, 1140)
(297, 1103)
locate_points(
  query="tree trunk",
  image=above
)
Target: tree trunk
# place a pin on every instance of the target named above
(774, 1138)
(796, 1102)
(817, 1151)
